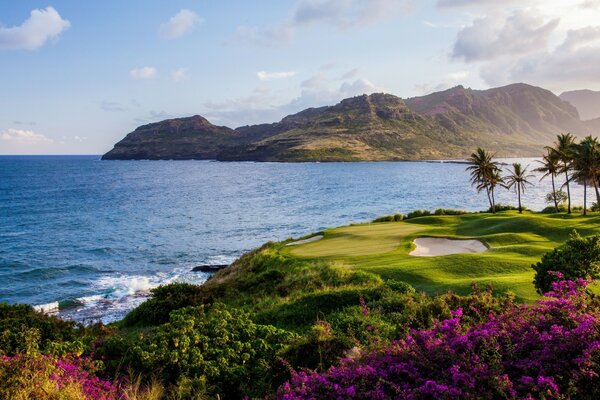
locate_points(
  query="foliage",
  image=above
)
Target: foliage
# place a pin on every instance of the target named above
(417, 213)
(449, 211)
(18, 320)
(577, 258)
(552, 209)
(389, 218)
(218, 350)
(504, 207)
(485, 174)
(36, 376)
(558, 195)
(547, 350)
(165, 299)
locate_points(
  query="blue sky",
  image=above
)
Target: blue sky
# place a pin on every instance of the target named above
(76, 76)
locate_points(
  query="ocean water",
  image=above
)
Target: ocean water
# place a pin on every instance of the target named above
(87, 239)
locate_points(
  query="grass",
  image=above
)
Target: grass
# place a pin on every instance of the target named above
(515, 243)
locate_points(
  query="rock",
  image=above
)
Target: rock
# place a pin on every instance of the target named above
(209, 268)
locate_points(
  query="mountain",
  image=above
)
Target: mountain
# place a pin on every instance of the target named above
(586, 101)
(514, 120)
(177, 139)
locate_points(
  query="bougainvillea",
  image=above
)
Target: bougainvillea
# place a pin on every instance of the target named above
(39, 376)
(547, 350)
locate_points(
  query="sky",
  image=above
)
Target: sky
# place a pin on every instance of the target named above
(77, 76)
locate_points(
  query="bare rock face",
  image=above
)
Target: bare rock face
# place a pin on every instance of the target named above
(514, 120)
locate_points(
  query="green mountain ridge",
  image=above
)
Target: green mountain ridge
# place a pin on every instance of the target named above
(514, 120)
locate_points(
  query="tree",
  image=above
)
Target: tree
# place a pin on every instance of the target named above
(485, 174)
(550, 167)
(564, 151)
(586, 163)
(577, 258)
(518, 180)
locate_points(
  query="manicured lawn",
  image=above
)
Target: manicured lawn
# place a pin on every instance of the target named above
(515, 242)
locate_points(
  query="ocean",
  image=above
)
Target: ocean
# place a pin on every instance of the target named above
(87, 239)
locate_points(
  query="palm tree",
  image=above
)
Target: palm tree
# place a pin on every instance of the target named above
(485, 174)
(550, 167)
(564, 150)
(518, 179)
(586, 164)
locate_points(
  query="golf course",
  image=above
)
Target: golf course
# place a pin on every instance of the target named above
(515, 242)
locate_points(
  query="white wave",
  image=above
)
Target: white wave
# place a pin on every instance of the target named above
(48, 308)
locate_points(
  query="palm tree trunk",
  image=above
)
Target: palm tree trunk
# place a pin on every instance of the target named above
(519, 195)
(584, 197)
(487, 191)
(568, 193)
(554, 193)
(493, 201)
(595, 182)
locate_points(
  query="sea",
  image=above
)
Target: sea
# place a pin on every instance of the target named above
(87, 239)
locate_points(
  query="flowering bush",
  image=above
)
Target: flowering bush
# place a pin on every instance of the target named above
(35, 376)
(547, 350)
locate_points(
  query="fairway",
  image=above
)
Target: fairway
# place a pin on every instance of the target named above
(515, 242)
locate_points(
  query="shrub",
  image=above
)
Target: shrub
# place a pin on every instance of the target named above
(389, 218)
(504, 207)
(19, 319)
(417, 213)
(400, 286)
(595, 207)
(35, 376)
(552, 209)
(215, 351)
(577, 258)
(448, 211)
(547, 350)
(166, 298)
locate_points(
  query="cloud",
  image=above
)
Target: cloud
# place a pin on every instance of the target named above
(112, 106)
(264, 105)
(179, 74)
(472, 3)
(41, 26)
(346, 14)
(573, 63)
(350, 74)
(340, 14)
(271, 36)
(24, 137)
(271, 76)
(144, 73)
(492, 37)
(180, 24)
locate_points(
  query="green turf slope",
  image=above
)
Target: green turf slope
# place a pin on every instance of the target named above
(515, 242)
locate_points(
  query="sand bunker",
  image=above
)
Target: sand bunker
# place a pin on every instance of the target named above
(310, 239)
(431, 247)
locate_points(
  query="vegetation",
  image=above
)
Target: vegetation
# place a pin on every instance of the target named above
(518, 179)
(485, 174)
(577, 258)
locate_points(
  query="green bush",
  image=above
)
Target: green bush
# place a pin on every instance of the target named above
(577, 258)
(418, 213)
(19, 320)
(219, 351)
(552, 209)
(505, 207)
(389, 218)
(166, 298)
(449, 211)
(400, 286)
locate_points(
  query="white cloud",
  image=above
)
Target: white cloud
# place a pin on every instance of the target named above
(493, 36)
(41, 26)
(180, 24)
(144, 73)
(112, 106)
(180, 74)
(340, 14)
(271, 76)
(24, 137)
(573, 63)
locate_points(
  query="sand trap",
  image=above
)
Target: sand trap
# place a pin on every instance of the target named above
(309, 240)
(431, 247)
